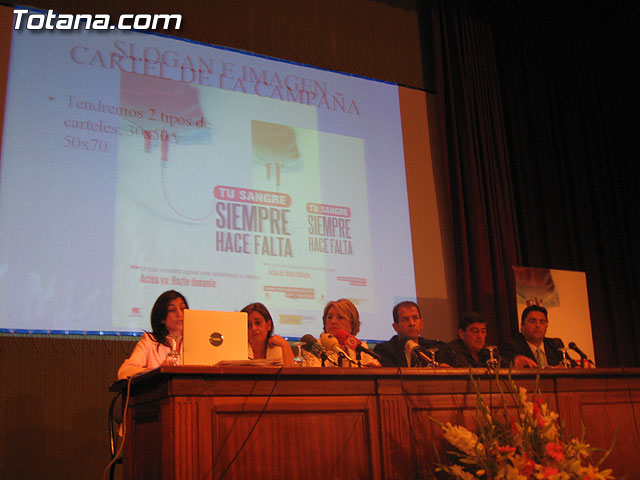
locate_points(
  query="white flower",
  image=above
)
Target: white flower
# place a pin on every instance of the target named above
(463, 439)
(460, 473)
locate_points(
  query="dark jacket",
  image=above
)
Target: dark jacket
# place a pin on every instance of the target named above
(519, 346)
(392, 351)
(459, 356)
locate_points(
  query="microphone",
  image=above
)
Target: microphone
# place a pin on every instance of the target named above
(583, 356)
(574, 347)
(330, 343)
(313, 347)
(348, 340)
(412, 348)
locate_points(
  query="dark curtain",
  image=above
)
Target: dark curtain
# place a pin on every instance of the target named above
(568, 76)
(537, 107)
(476, 164)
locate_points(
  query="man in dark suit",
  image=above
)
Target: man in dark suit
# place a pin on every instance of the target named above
(531, 347)
(408, 323)
(468, 349)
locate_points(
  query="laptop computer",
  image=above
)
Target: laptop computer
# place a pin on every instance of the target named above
(212, 337)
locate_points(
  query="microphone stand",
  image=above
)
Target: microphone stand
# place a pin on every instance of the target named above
(415, 361)
(422, 357)
(325, 358)
(343, 357)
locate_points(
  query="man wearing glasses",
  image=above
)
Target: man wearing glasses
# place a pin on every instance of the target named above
(468, 350)
(531, 348)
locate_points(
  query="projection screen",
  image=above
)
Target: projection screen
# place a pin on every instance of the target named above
(134, 163)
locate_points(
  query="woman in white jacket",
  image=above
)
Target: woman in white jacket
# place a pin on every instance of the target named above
(167, 323)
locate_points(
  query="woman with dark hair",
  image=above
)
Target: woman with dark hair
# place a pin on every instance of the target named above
(166, 335)
(262, 342)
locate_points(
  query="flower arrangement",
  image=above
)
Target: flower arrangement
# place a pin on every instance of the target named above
(526, 444)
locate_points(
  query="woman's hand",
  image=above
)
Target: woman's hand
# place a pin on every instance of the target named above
(277, 341)
(287, 352)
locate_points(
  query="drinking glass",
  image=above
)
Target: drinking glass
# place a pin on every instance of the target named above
(566, 360)
(173, 357)
(432, 357)
(492, 361)
(298, 359)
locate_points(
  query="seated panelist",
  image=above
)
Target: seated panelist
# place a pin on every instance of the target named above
(262, 342)
(531, 347)
(342, 320)
(166, 336)
(468, 349)
(408, 324)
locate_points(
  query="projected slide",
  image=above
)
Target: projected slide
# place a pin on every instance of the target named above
(133, 164)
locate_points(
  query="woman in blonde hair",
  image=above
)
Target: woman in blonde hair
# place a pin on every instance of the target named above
(342, 314)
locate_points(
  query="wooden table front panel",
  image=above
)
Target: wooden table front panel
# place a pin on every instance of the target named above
(287, 437)
(314, 424)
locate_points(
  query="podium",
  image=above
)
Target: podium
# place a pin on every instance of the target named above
(331, 423)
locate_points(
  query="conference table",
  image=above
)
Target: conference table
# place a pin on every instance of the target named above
(248, 422)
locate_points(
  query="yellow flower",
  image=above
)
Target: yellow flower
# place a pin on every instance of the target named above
(591, 473)
(575, 466)
(551, 434)
(522, 395)
(509, 473)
